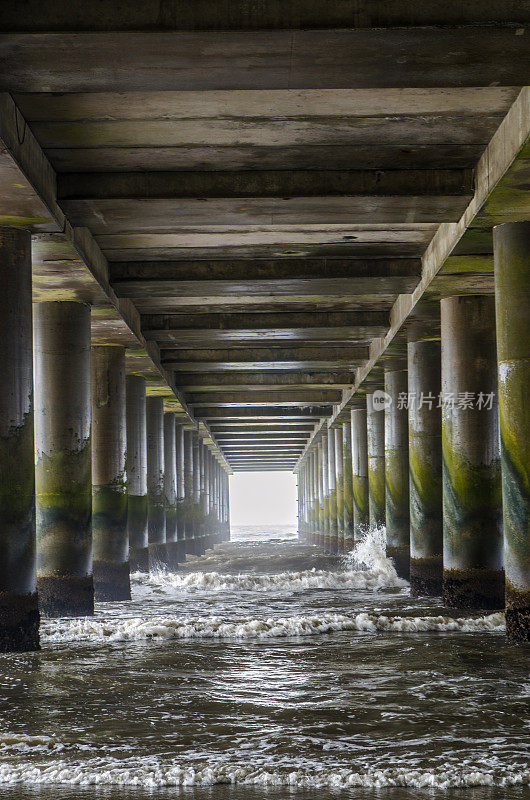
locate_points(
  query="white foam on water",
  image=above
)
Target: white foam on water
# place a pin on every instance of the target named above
(372, 579)
(92, 629)
(151, 773)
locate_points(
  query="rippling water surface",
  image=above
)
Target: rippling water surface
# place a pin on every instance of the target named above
(265, 669)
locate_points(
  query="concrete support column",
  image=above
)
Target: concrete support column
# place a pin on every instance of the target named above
(19, 615)
(63, 475)
(109, 489)
(375, 432)
(227, 496)
(348, 486)
(512, 295)
(206, 497)
(359, 458)
(322, 491)
(472, 551)
(326, 532)
(313, 489)
(425, 467)
(397, 472)
(181, 511)
(137, 474)
(332, 494)
(170, 491)
(156, 501)
(339, 487)
(198, 530)
(316, 496)
(188, 492)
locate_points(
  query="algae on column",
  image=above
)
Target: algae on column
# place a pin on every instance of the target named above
(109, 490)
(137, 474)
(339, 487)
(512, 296)
(397, 472)
(156, 501)
(375, 435)
(63, 456)
(170, 490)
(359, 450)
(19, 614)
(348, 486)
(472, 515)
(425, 467)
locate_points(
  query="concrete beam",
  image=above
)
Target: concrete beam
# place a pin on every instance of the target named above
(213, 60)
(230, 381)
(272, 413)
(273, 357)
(276, 397)
(77, 15)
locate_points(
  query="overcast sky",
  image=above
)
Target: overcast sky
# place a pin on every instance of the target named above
(263, 498)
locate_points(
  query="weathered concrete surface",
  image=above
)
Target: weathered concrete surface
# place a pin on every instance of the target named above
(137, 474)
(181, 522)
(375, 430)
(472, 501)
(512, 295)
(63, 455)
(339, 487)
(170, 490)
(156, 501)
(347, 486)
(425, 467)
(322, 453)
(109, 485)
(19, 614)
(359, 444)
(397, 472)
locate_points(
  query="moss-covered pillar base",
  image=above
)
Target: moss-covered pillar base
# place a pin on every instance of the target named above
(109, 493)
(397, 472)
(375, 432)
(139, 559)
(158, 557)
(19, 615)
(425, 467)
(359, 451)
(66, 595)
(156, 498)
(19, 622)
(63, 458)
(512, 298)
(170, 490)
(472, 516)
(137, 474)
(347, 487)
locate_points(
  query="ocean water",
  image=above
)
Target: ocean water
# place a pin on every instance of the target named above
(267, 669)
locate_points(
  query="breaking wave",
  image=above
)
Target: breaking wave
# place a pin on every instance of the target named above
(151, 773)
(372, 579)
(90, 629)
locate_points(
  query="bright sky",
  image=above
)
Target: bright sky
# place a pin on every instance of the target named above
(263, 498)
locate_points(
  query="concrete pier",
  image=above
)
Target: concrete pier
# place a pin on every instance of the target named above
(375, 435)
(137, 474)
(397, 472)
(187, 506)
(197, 515)
(322, 490)
(473, 543)
(359, 450)
(156, 501)
(181, 522)
(327, 527)
(109, 490)
(348, 486)
(315, 508)
(63, 456)
(332, 494)
(170, 491)
(512, 298)
(425, 467)
(19, 615)
(339, 487)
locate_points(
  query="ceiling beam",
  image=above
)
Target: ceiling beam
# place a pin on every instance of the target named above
(291, 397)
(272, 413)
(229, 381)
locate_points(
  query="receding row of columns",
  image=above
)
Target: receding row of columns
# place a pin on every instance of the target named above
(96, 480)
(442, 457)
